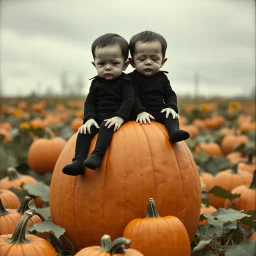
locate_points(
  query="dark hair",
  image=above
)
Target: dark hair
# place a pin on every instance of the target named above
(111, 39)
(147, 36)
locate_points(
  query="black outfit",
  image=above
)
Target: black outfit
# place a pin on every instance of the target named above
(152, 94)
(106, 99)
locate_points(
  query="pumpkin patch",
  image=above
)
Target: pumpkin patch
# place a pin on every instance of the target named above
(199, 191)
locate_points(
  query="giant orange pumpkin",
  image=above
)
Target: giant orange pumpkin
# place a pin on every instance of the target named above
(140, 163)
(43, 154)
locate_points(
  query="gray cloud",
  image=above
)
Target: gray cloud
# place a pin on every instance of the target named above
(215, 38)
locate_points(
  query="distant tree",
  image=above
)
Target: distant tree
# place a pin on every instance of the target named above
(64, 83)
(79, 84)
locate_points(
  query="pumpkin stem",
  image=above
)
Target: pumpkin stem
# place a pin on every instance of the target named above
(2, 209)
(151, 210)
(24, 205)
(253, 184)
(19, 236)
(105, 243)
(12, 173)
(118, 246)
(250, 157)
(234, 167)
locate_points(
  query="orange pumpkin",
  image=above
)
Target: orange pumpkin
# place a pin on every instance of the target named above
(145, 234)
(212, 149)
(119, 247)
(10, 217)
(140, 163)
(229, 179)
(43, 154)
(15, 180)
(253, 237)
(207, 179)
(6, 134)
(21, 244)
(9, 199)
(247, 199)
(206, 209)
(229, 141)
(76, 123)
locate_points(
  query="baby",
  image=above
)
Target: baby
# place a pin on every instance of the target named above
(154, 98)
(108, 104)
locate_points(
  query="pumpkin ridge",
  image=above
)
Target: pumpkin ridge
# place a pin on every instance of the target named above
(153, 167)
(75, 196)
(104, 183)
(191, 163)
(181, 174)
(76, 183)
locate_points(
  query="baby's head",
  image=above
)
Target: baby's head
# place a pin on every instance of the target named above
(110, 54)
(147, 52)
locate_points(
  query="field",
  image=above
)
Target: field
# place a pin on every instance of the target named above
(34, 131)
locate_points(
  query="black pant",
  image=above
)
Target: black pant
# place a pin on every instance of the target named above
(169, 122)
(83, 142)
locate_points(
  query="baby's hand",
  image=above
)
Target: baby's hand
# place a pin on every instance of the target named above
(87, 126)
(116, 121)
(144, 117)
(170, 111)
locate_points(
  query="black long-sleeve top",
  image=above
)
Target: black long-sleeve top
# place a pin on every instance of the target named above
(109, 98)
(152, 93)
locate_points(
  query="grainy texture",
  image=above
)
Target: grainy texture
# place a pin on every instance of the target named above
(139, 164)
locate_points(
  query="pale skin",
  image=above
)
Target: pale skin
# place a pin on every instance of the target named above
(109, 63)
(148, 60)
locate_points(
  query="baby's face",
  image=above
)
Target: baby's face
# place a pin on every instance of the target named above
(109, 62)
(148, 57)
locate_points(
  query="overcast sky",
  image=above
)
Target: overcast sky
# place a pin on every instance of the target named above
(42, 38)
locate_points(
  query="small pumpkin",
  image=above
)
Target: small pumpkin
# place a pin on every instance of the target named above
(10, 217)
(76, 123)
(206, 179)
(229, 141)
(9, 199)
(247, 199)
(229, 179)
(145, 232)
(253, 237)
(43, 154)
(206, 209)
(120, 246)
(15, 180)
(212, 149)
(21, 244)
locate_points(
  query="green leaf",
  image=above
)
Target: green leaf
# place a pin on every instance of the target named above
(208, 231)
(202, 244)
(20, 193)
(45, 212)
(38, 189)
(228, 215)
(47, 226)
(223, 193)
(215, 164)
(250, 221)
(247, 248)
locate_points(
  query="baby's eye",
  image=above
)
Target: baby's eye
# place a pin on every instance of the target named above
(141, 59)
(155, 59)
(115, 63)
(101, 63)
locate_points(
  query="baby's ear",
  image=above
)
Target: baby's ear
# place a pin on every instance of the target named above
(164, 60)
(126, 64)
(131, 62)
(93, 63)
